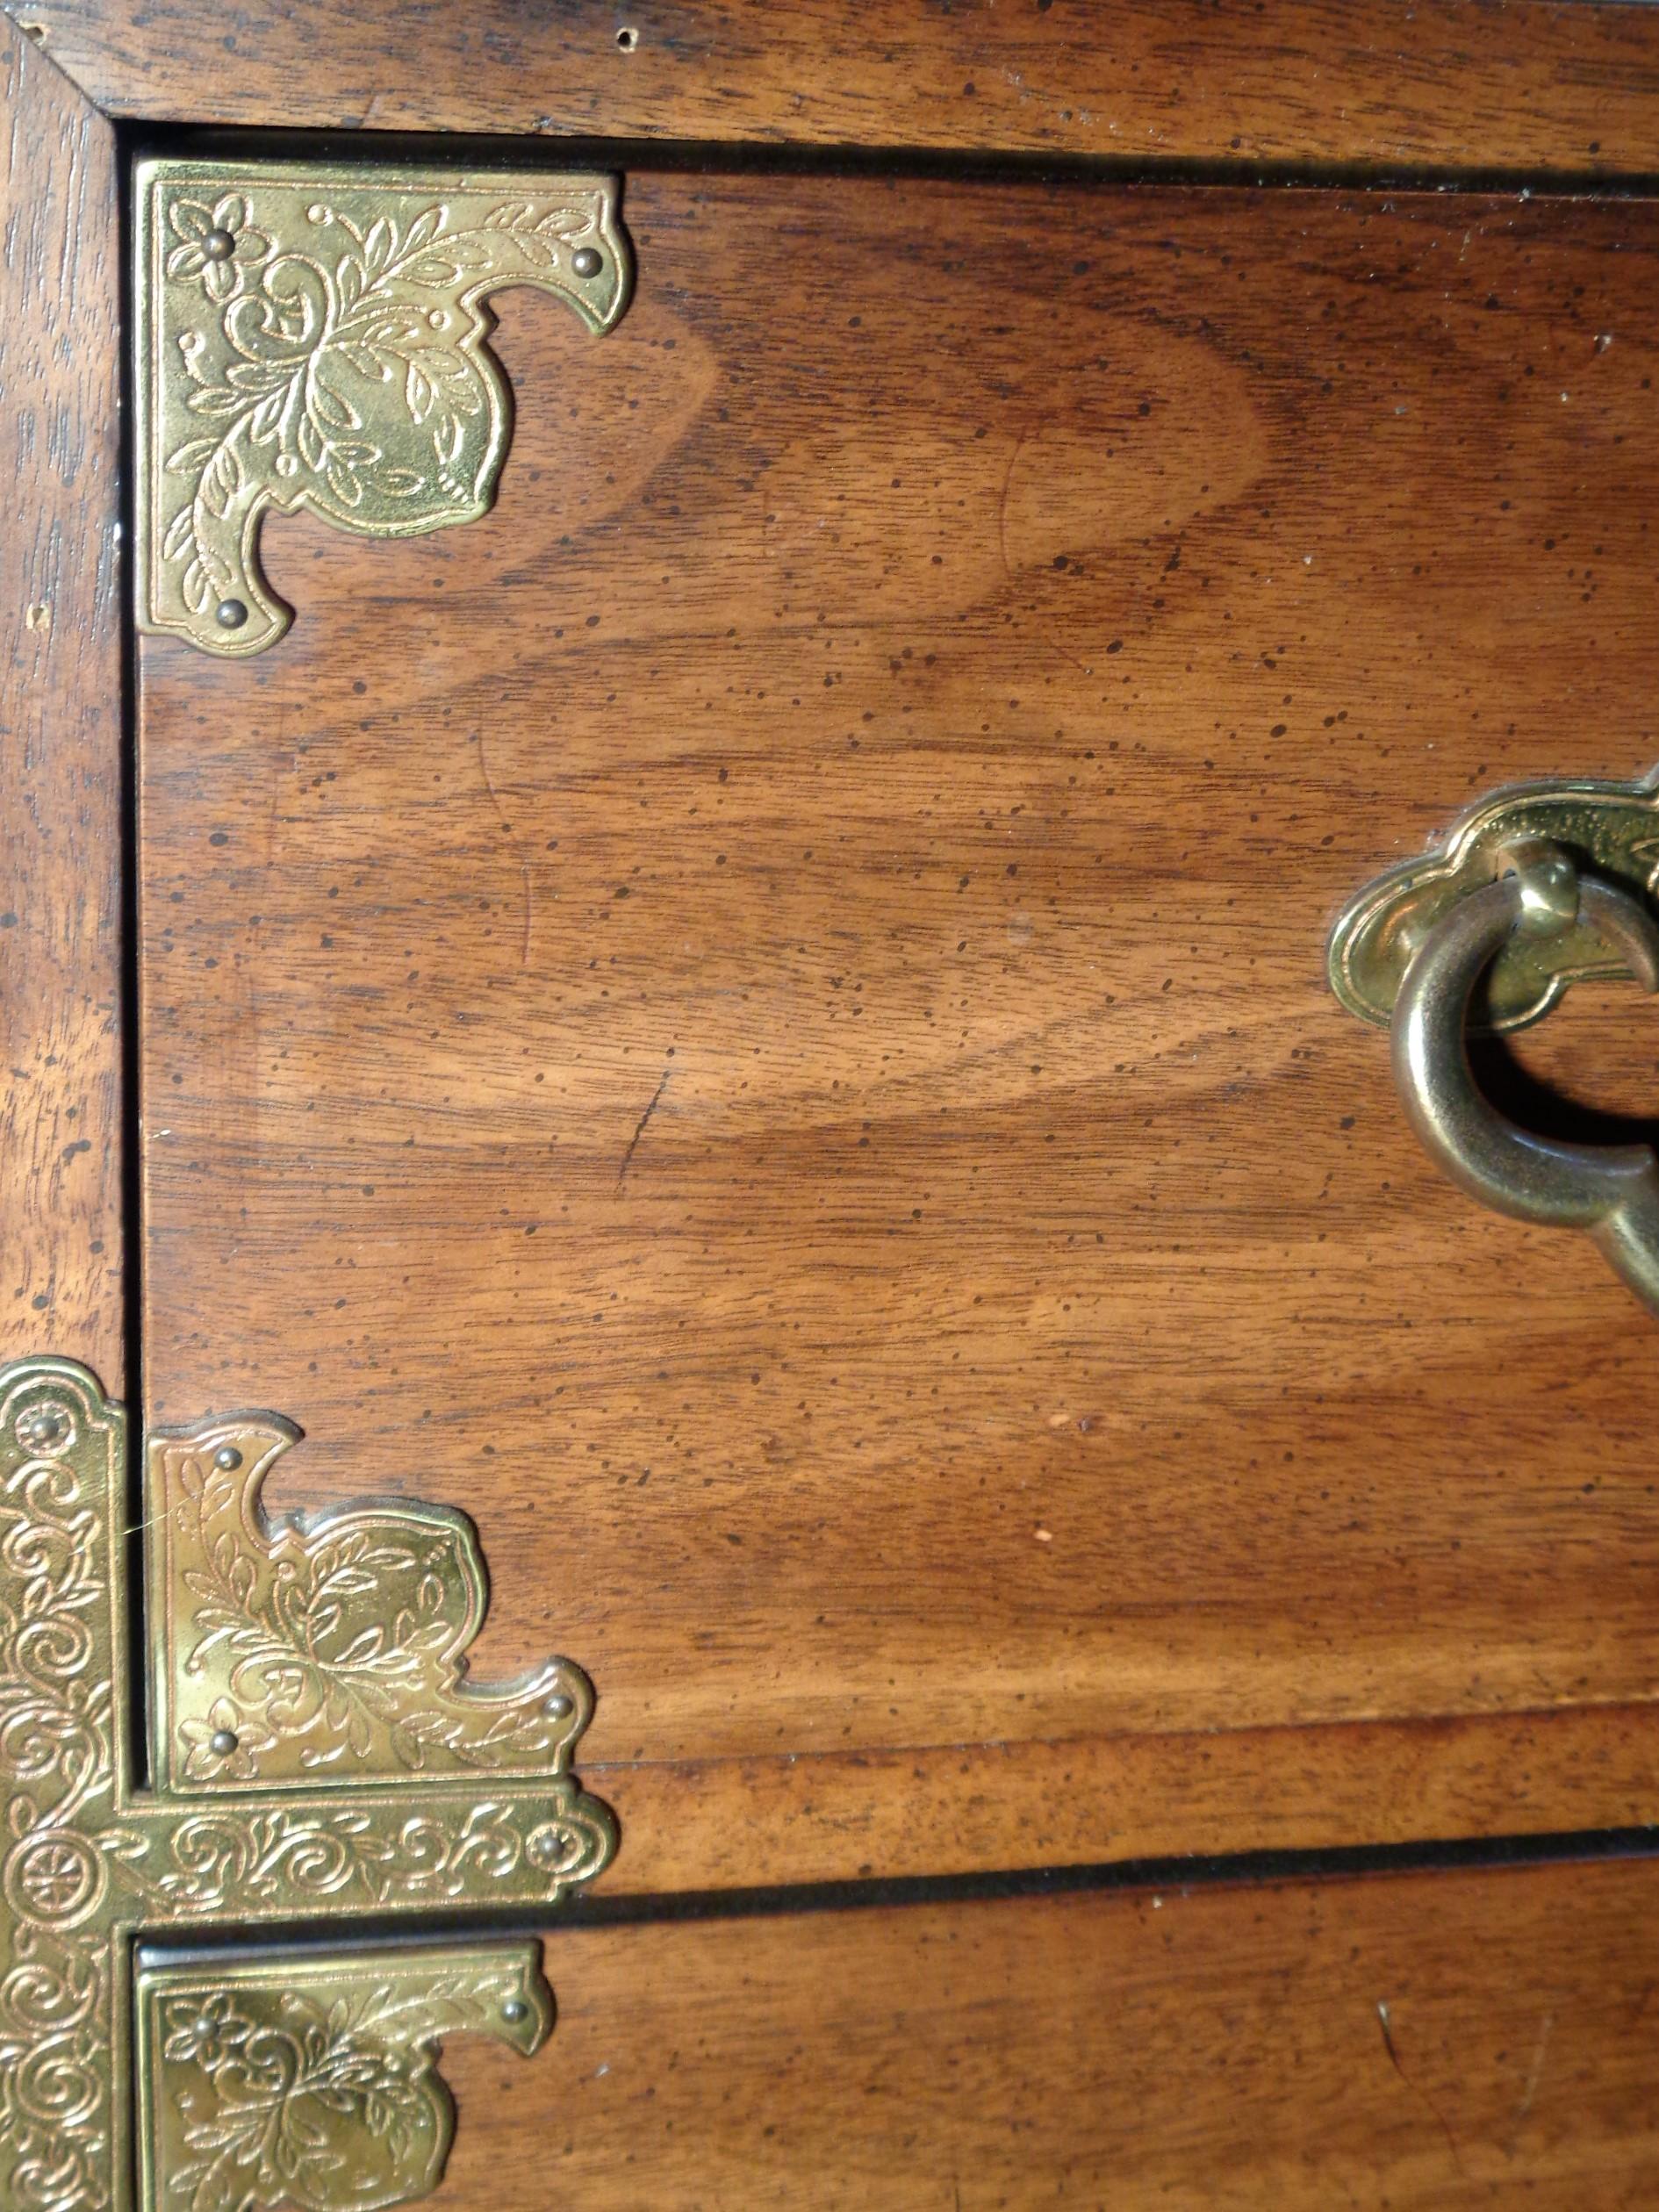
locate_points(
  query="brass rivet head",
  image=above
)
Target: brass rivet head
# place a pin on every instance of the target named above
(230, 614)
(558, 1706)
(222, 1743)
(587, 260)
(39, 1430)
(218, 245)
(515, 2009)
(227, 1457)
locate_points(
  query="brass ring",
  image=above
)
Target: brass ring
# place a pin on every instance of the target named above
(1612, 1191)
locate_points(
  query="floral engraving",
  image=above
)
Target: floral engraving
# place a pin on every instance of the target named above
(228, 1742)
(202, 254)
(311, 2085)
(322, 346)
(336, 1641)
(87, 1862)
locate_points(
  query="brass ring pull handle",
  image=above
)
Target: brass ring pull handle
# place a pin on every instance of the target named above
(1612, 1190)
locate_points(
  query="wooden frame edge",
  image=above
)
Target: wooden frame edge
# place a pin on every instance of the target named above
(62, 722)
(1459, 85)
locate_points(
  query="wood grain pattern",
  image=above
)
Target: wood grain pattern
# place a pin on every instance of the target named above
(1449, 82)
(60, 723)
(976, 1808)
(1390, 2045)
(757, 1018)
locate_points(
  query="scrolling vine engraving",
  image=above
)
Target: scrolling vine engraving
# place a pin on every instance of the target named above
(88, 1862)
(315, 338)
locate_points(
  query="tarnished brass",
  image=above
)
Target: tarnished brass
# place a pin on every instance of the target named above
(1607, 830)
(309, 2082)
(1531, 901)
(316, 1754)
(314, 337)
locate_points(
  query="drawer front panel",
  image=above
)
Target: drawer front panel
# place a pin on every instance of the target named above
(757, 1016)
(1443, 2041)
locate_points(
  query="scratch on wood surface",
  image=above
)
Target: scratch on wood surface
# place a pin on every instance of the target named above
(529, 909)
(1042, 628)
(1394, 2060)
(1534, 2072)
(489, 780)
(633, 1142)
(524, 865)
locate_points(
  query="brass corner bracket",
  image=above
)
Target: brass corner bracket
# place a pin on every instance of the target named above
(310, 2082)
(316, 1754)
(314, 337)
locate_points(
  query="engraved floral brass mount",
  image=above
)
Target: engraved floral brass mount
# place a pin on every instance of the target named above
(1535, 889)
(314, 337)
(317, 1753)
(310, 2082)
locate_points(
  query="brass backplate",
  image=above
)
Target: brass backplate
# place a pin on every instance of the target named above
(316, 1755)
(314, 337)
(308, 2083)
(1607, 829)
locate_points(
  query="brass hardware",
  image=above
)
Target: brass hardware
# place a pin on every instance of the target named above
(314, 337)
(1611, 829)
(310, 2082)
(1536, 910)
(331, 1644)
(316, 1755)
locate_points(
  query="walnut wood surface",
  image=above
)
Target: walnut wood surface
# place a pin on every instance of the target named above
(966, 1808)
(1389, 2046)
(1455, 83)
(60, 722)
(757, 1018)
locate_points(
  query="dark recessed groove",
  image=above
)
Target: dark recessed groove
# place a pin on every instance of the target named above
(130, 1079)
(987, 165)
(1169, 1876)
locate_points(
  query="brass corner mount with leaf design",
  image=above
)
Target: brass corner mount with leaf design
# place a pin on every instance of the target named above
(316, 1755)
(314, 337)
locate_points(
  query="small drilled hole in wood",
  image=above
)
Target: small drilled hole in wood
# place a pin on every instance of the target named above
(628, 41)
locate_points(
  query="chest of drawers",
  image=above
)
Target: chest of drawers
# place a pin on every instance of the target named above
(756, 1018)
